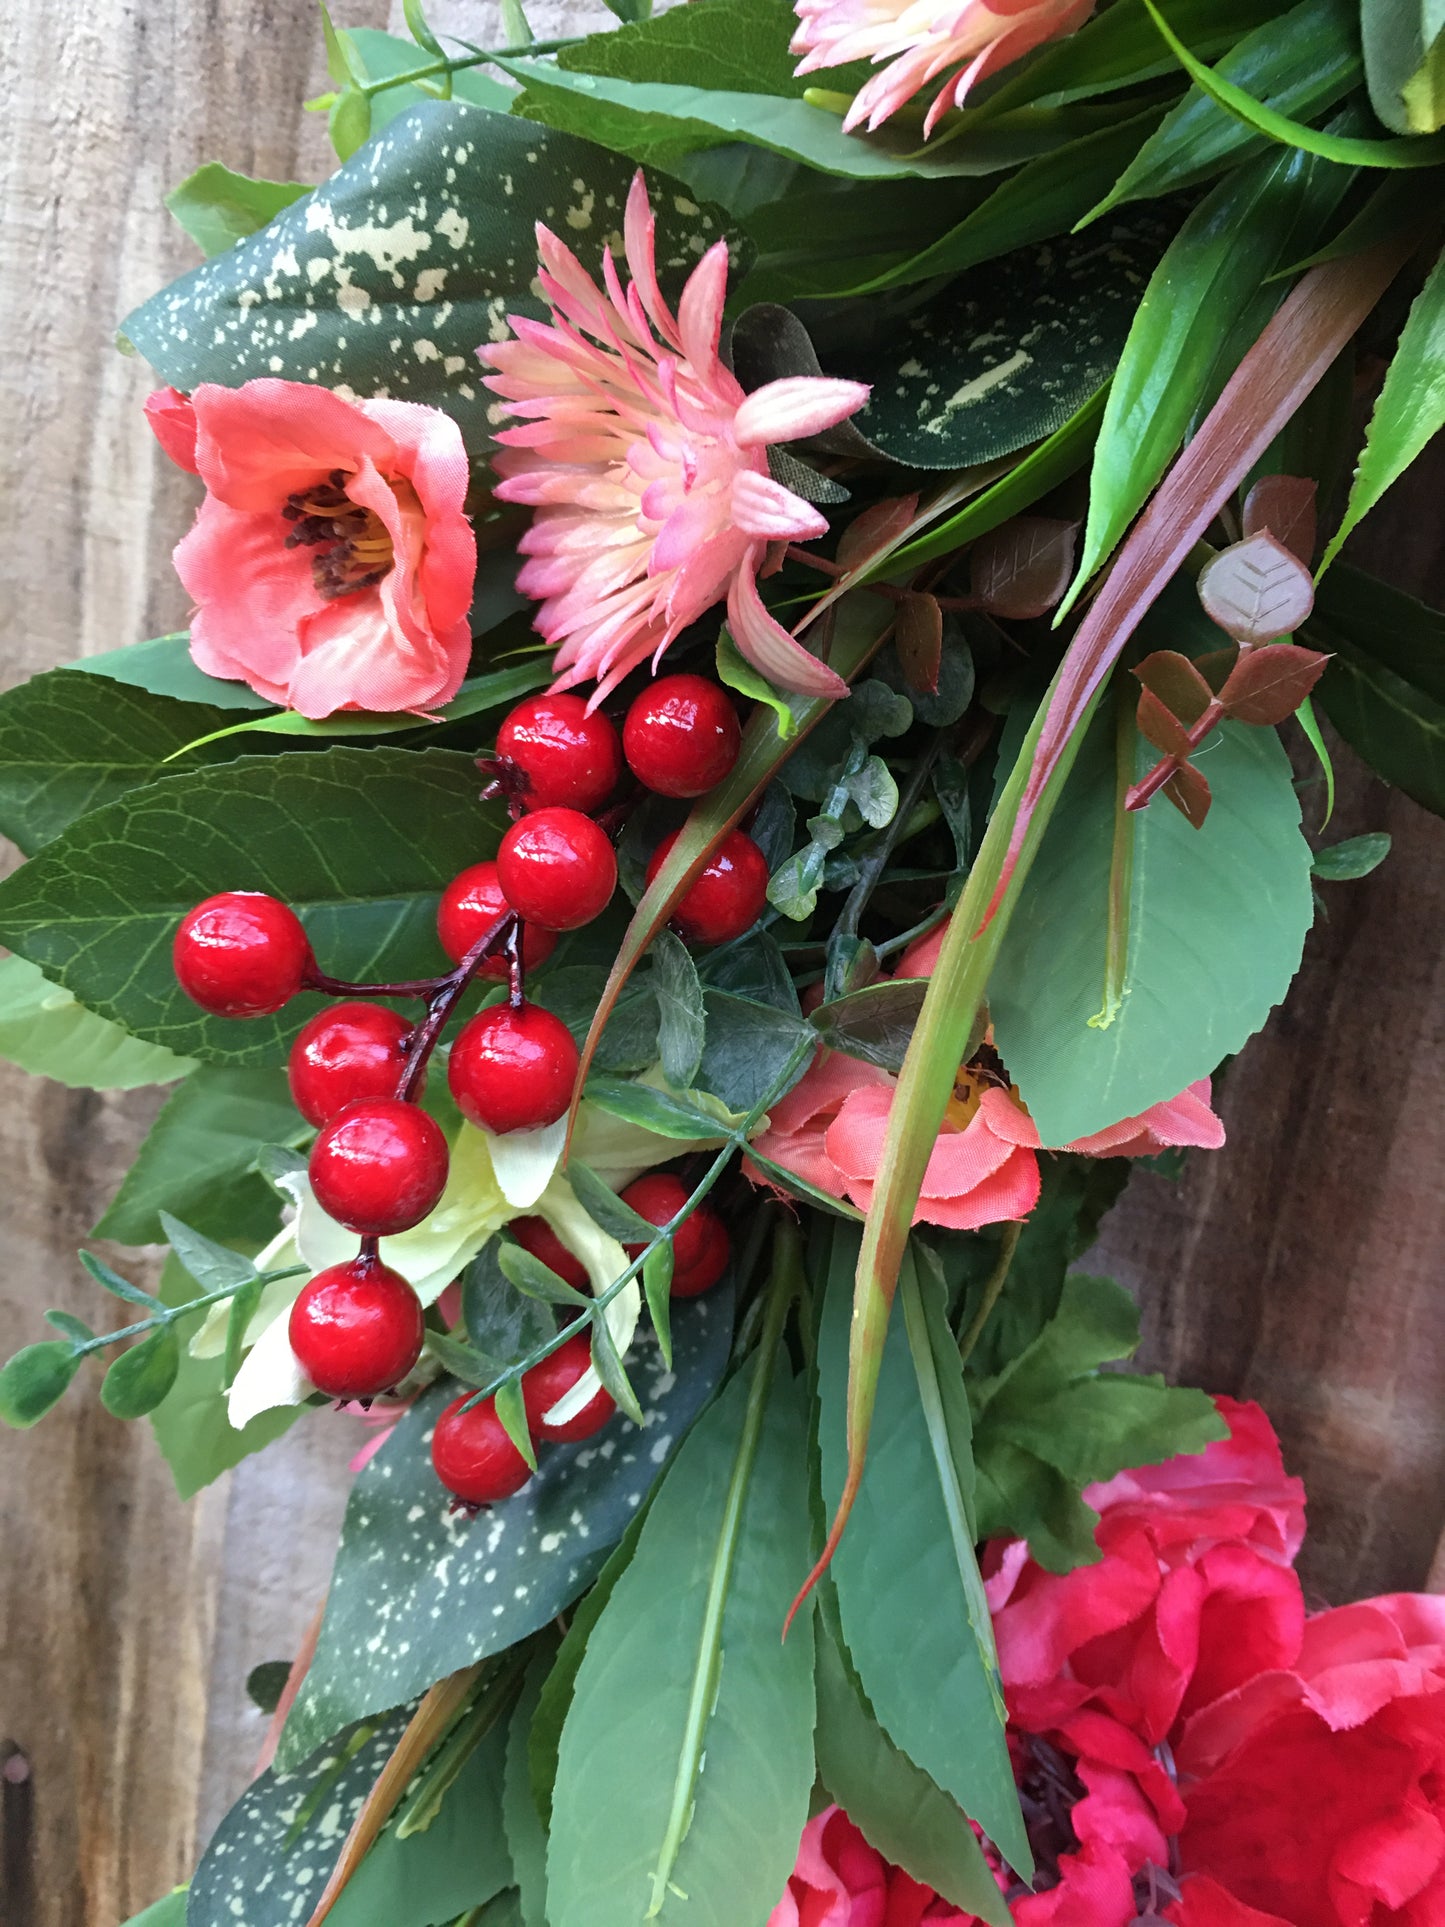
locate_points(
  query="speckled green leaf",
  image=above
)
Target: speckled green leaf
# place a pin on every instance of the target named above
(388, 276)
(1005, 355)
(273, 1853)
(334, 833)
(419, 1591)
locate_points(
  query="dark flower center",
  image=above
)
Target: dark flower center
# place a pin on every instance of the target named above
(353, 549)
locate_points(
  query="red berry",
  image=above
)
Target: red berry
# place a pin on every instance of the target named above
(350, 1051)
(700, 1248)
(727, 898)
(379, 1166)
(538, 1237)
(513, 1070)
(557, 868)
(681, 737)
(356, 1329)
(567, 756)
(472, 1455)
(242, 954)
(470, 906)
(553, 1379)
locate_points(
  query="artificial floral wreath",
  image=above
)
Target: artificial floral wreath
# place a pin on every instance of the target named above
(654, 1027)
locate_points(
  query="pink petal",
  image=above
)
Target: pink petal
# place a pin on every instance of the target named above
(173, 423)
(797, 405)
(700, 311)
(763, 508)
(251, 595)
(769, 647)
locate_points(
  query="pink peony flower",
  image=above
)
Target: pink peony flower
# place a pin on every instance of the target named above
(331, 562)
(840, 1881)
(1193, 1595)
(920, 39)
(647, 465)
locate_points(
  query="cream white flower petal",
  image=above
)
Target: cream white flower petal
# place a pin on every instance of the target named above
(525, 1160)
(605, 1260)
(269, 1376)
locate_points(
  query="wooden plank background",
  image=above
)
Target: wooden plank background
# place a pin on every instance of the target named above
(1299, 1266)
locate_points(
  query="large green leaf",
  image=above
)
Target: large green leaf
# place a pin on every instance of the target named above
(1214, 927)
(70, 743)
(1405, 62)
(1004, 356)
(687, 1694)
(1207, 296)
(199, 1159)
(163, 665)
(45, 1032)
(526, 1836)
(359, 842)
(935, 1692)
(1051, 1422)
(1384, 691)
(271, 1856)
(389, 275)
(419, 1591)
(1410, 409)
(1299, 64)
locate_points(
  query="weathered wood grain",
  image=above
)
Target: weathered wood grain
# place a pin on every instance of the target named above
(1301, 1266)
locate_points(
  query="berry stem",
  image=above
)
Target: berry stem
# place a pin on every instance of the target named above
(443, 993)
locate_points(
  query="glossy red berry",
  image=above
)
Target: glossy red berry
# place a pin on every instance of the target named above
(242, 954)
(379, 1166)
(513, 1070)
(727, 898)
(557, 868)
(356, 1329)
(538, 1237)
(553, 1379)
(566, 756)
(681, 736)
(700, 1247)
(472, 1455)
(470, 907)
(345, 1053)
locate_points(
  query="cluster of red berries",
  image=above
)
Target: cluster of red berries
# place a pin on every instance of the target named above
(379, 1164)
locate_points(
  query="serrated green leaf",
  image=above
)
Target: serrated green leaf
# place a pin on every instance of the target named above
(414, 235)
(141, 1377)
(35, 1379)
(454, 1591)
(1214, 929)
(46, 1032)
(200, 1159)
(637, 1829)
(217, 207)
(681, 1020)
(97, 909)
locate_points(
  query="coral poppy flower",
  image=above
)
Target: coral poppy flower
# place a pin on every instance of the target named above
(920, 39)
(331, 562)
(647, 465)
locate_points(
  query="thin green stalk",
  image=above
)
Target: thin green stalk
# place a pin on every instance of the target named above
(1121, 865)
(168, 1314)
(455, 64)
(787, 1271)
(997, 1278)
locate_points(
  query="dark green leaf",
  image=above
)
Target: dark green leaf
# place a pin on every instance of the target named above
(501, 1321)
(1402, 634)
(681, 1018)
(163, 666)
(657, 1285)
(754, 967)
(267, 1682)
(200, 1157)
(418, 1592)
(874, 1023)
(140, 1378)
(97, 910)
(113, 1282)
(528, 1273)
(215, 1267)
(605, 1208)
(414, 236)
(218, 208)
(252, 1875)
(35, 1379)
(1357, 856)
(1393, 724)
(1213, 929)
(653, 1110)
(526, 1836)
(613, 1373)
(748, 1047)
(685, 1655)
(46, 1032)
(512, 1412)
(935, 1693)
(901, 1812)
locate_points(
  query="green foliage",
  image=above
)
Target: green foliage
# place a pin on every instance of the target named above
(747, 1049)
(875, 1023)
(1405, 63)
(682, 1019)
(45, 1032)
(1051, 1422)
(419, 1591)
(413, 236)
(163, 665)
(1210, 934)
(141, 1377)
(273, 1853)
(1356, 857)
(332, 833)
(199, 1159)
(935, 1693)
(526, 1836)
(169, 1912)
(35, 1379)
(686, 1660)
(1384, 691)
(217, 208)
(384, 54)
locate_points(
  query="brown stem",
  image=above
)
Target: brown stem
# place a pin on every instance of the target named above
(444, 992)
(1167, 766)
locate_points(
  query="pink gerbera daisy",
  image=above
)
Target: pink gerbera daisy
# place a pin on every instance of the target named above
(647, 465)
(920, 39)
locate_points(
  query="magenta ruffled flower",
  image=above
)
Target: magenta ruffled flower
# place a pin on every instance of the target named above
(920, 39)
(647, 465)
